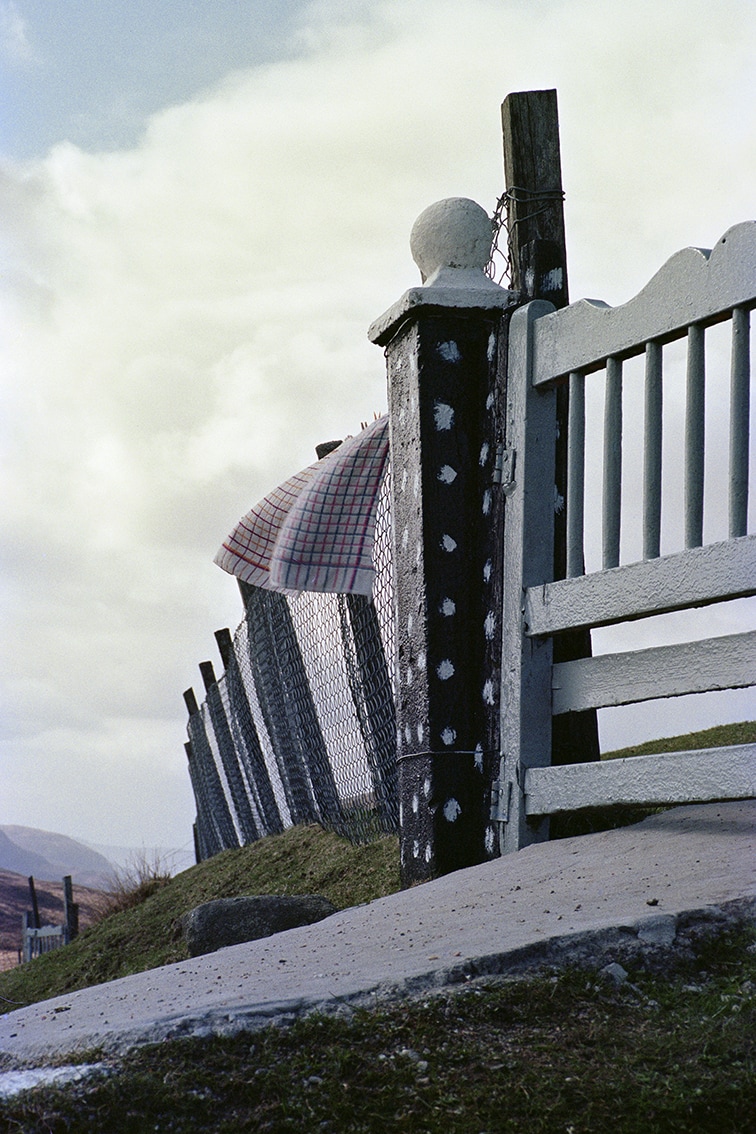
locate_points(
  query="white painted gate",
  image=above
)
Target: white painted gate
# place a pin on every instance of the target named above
(584, 343)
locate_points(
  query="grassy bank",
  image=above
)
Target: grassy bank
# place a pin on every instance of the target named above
(302, 860)
(561, 1054)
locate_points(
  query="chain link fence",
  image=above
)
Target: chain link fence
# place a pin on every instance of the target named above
(301, 726)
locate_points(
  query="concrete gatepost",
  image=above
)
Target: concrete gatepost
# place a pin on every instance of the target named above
(443, 344)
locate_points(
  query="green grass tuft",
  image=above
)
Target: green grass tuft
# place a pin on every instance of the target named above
(561, 1054)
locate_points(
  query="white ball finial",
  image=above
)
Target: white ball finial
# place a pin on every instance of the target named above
(451, 243)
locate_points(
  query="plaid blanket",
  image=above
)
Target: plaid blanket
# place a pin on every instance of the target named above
(315, 531)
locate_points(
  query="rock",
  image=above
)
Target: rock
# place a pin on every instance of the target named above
(615, 973)
(230, 921)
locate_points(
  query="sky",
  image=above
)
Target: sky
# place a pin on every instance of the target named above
(204, 204)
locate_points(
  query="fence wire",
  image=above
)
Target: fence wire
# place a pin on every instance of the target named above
(301, 727)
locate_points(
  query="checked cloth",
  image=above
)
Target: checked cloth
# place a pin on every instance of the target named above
(315, 531)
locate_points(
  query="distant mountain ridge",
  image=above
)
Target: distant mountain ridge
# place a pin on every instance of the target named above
(50, 856)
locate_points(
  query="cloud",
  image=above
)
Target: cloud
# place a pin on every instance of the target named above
(185, 320)
(14, 40)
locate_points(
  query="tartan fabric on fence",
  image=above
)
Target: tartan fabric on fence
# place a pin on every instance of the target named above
(315, 531)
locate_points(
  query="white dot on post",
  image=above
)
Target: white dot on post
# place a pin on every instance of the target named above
(452, 810)
(448, 607)
(447, 475)
(448, 736)
(443, 415)
(445, 669)
(448, 544)
(449, 352)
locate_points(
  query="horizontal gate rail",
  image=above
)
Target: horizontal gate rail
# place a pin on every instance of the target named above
(664, 778)
(728, 662)
(698, 577)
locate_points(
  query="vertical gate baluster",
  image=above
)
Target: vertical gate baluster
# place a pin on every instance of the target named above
(652, 453)
(576, 476)
(694, 437)
(740, 377)
(612, 498)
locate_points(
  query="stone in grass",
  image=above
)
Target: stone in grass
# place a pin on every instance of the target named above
(614, 973)
(230, 921)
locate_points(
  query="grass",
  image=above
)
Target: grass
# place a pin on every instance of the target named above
(561, 1054)
(742, 732)
(302, 860)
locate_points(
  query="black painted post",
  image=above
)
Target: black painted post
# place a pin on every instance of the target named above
(220, 832)
(442, 345)
(245, 819)
(246, 740)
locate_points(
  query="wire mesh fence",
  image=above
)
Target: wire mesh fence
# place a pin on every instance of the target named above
(301, 726)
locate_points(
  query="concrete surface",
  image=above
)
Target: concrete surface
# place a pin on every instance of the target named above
(633, 895)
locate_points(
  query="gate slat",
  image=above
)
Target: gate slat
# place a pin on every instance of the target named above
(669, 777)
(697, 577)
(694, 437)
(576, 476)
(664, 671)
(739, 415)
(652, 453)
(612, 496)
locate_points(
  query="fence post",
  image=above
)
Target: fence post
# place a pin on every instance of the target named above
(538, 264)
(35, 906)
(229, 755)
(245, 738)
(442, 345)
(220, 833)
(70, 910)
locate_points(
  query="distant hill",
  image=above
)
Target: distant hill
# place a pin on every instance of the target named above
(50, 856)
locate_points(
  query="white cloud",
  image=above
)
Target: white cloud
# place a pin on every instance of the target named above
(186, 320)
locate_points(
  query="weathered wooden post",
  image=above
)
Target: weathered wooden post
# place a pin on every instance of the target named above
(70, 910)
(442, 345)
(228, 755)
(538, 266)
(219, 832)
(245, 738)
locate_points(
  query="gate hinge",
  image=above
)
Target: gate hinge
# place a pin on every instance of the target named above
(504, 469)
(501, 796)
